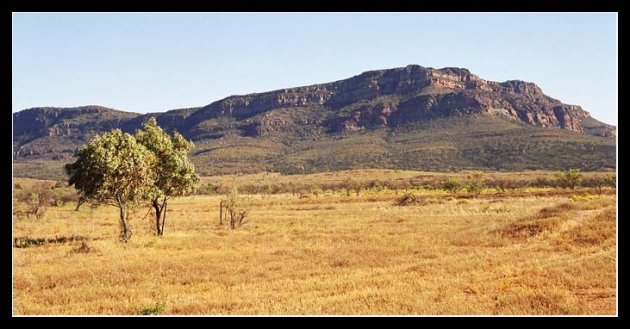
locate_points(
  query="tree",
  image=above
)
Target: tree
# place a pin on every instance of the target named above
(475, 184)
(600, 182)
(570, 178)
(37, 200)
(113, 169)
(452, 185)
(174, 173)
(236, 208)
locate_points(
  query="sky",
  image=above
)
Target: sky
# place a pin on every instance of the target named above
(154, 62)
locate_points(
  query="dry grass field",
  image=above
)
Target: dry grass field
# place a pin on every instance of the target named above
(532, 251)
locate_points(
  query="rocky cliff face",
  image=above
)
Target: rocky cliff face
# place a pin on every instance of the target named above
(403, 95)
(383, 98)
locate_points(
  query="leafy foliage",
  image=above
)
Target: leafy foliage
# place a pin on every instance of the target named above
(174, 173)
(476, 183)
(570, 178)
(114, 169)
(452, 186)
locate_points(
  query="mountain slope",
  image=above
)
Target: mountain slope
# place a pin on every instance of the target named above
(411, 118)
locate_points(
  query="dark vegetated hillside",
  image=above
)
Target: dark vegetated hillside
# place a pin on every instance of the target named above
(406, 118)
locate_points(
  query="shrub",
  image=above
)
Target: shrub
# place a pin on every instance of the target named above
(37, 200)
(570, 178)
(475, 184)
(599, 183)
(452, 185)
(66, 198)
(156, 309)
(207, 189)
(236, 208)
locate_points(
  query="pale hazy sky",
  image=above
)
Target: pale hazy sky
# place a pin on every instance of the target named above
(151, 62)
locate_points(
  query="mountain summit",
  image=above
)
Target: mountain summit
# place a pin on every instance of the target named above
(412, 117)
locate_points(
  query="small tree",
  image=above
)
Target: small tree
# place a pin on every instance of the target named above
(607, 181)
(36, 199)
(570, 178)
(113, 169)
(476, 183)
(174, 173)
(235, 208)
(452, 185)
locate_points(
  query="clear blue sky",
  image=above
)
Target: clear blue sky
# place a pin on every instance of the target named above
(155, 62)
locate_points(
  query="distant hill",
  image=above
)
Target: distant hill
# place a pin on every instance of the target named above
(408, 118)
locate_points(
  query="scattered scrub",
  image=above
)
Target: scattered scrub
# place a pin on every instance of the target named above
(25, 241)
(37, 200)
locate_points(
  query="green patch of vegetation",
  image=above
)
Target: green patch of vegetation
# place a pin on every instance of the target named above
(473, 142)
(26, 241)
(156, 309)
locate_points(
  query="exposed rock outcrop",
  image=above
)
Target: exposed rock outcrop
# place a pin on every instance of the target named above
(387, 98)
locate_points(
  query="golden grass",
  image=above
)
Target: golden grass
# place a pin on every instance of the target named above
(330, 254)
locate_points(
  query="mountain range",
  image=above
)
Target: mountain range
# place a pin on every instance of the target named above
(411, 117)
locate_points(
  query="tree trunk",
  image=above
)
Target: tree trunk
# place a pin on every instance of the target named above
(125, 230)
(163, 217)
(158, 215)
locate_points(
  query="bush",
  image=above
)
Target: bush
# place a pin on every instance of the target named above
(236, 208)
(37, 200)
(68, 197)
(543, 182)
(156, 309)
(599, 183)
(452, 185)
(475, 184)
(207, 189)
(570, 178)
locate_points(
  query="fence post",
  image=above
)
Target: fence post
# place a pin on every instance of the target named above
(221, 213)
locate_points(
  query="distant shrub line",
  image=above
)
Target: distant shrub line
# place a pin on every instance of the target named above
(474, 184)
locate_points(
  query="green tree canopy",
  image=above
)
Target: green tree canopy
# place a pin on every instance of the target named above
(452, 185)
(114, 169)
(174, 173)
(571, 178)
